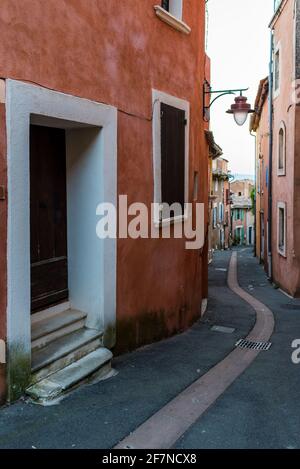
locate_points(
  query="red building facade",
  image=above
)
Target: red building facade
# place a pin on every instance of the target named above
(99, 71)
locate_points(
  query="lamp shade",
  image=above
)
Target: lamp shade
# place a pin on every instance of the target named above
(240, 110)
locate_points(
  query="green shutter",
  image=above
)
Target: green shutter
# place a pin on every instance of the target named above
(243, 234)
(242, 214)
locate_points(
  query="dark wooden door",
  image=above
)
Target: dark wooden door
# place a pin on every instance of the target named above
(48, 217)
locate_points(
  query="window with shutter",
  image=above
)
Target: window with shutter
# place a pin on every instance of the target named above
(173, 123)
(170, 127)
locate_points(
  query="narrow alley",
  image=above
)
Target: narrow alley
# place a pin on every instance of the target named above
(258, 410)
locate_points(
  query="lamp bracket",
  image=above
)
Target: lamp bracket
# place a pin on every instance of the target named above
(207, 90)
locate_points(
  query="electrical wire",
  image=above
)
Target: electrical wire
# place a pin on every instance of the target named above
(122, 111)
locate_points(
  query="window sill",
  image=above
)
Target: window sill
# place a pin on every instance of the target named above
(170, 221)
(281, 172)
(171, 20)
(282, 253)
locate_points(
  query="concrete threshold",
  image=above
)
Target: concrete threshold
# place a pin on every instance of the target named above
(165, 427)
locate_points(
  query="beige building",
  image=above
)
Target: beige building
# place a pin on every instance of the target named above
(242, 213)
(260, 125)
(219, 205)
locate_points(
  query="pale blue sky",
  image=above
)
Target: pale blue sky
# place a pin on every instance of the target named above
(238, 44)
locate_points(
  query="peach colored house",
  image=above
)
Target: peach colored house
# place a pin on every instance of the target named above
(242, 217)
(220, 205)
(260, 125)
(278, 189)
(286, 150)
(90, 95)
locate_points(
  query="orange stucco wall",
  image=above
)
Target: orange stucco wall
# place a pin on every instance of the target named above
(115, 52)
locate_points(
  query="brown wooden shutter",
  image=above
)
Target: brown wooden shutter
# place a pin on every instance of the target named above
(172, 155)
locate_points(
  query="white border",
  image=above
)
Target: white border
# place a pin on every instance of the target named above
(157, 98)
(281, 171)
(281, 205)
(22, 101)
(276, 92)
(172, 20)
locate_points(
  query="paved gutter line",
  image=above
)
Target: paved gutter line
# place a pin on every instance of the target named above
(165, 427)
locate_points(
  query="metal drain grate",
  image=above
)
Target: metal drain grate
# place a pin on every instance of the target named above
(244, 343)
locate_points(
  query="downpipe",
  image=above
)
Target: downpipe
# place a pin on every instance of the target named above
(270, 181)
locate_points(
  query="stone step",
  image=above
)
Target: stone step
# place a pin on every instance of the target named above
(50, 328)
(53, 387)
(63, 351)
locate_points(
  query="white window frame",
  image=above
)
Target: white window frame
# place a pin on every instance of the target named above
(281, 171)
(221, 212)
(173, 17)
(215, 216)
(176, 8)
(159, 97)
(25, 102)
(216, 185)
(281, 251)
(276, 91)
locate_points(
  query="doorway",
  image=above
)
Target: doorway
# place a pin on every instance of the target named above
(250, 230)
(262, 236)
(48, 217)
(90, 130)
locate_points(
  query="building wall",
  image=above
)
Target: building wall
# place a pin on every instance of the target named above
(3, 218)
(262, 175)
(296, 195)
(116, 52)
(242, 187)
(285, 268)
(241, 223)
(220, 195)
(241, 200)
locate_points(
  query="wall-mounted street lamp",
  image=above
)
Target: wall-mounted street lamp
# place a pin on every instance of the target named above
(240, 109)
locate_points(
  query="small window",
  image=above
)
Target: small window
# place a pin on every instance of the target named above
(281, 151)
(240, 194)
(277, 70)
(196, 185)
(221, 212)
(171, 157)
(215, 217)
(174, 7)
(171, 12)
(281, 228)
(216, 185)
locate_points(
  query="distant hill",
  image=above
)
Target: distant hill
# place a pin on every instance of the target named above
(241, 177)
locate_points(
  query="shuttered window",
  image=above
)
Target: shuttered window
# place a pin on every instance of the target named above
(173, 123)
